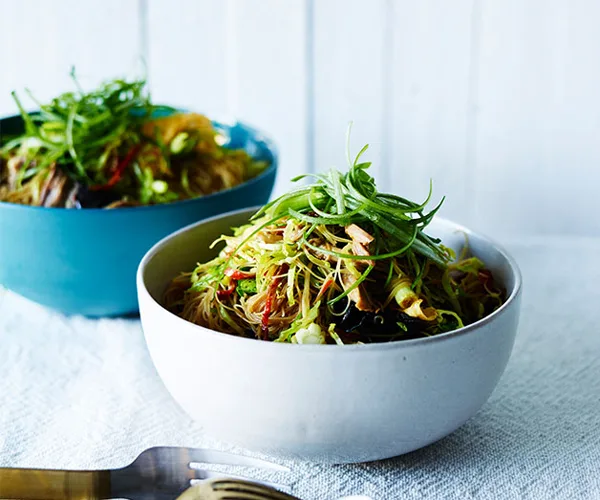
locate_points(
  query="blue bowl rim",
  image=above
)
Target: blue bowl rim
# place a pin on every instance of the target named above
(271, 169)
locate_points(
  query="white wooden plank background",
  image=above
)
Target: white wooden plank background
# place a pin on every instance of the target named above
(431, 61)
(41, 40)
(268, 77)
(498, 102)
(350, 64)
(538, 129)
(187, 47)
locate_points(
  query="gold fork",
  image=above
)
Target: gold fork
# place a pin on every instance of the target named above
(160, 473)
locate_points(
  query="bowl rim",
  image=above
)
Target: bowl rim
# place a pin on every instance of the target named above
(396, 344)
(270, 170)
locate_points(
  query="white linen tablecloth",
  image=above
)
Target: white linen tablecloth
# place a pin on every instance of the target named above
(82, 393)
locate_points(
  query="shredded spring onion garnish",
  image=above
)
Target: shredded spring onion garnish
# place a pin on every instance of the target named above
(338, 262)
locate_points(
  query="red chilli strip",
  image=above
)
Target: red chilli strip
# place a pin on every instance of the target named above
(264, 327)
(121, 166)
(237, 274)
(223, 294)
(326, 285)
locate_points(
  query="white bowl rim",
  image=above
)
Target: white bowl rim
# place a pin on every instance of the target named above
(395, 344)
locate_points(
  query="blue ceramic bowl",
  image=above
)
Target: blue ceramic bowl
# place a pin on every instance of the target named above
(84, 261)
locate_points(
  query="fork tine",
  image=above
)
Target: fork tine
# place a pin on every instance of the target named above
(206, 474)
(199, 456)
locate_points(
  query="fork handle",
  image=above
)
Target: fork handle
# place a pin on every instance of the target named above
(41, 484)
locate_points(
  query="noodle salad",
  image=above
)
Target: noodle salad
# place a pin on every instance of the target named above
(336, 261)
(106, 149)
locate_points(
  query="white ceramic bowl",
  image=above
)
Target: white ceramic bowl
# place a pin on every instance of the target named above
(324, 403)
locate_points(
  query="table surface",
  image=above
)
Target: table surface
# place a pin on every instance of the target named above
(83, 393)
